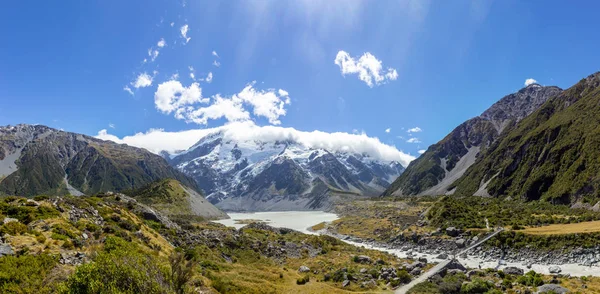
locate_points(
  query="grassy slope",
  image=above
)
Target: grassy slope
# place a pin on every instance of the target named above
(552, 154)
(225, 260)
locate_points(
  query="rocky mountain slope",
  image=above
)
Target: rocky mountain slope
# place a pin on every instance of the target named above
(552, 154)
(175, 200)
(36, 159)
(434, 172)
(279, 175)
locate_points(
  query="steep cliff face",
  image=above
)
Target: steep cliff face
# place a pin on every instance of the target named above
(38, 159)
(434, 172)
(552, 154)
(279, 175)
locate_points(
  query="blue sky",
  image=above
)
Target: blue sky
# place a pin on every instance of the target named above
(65, 63)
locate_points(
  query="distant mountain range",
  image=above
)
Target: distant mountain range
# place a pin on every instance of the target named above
(280, 175)
(434, 172)
(36, 159)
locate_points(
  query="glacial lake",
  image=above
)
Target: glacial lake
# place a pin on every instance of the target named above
(296, 220)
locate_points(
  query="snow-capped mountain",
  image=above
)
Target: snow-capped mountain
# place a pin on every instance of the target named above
(257, 175)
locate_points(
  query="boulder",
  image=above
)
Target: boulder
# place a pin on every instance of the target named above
(10, 220)
(304, 269)
(422, 259)
(454, 264)
(363, 270)
(5, 249)
(363, 259)
(552, 288)
(442, 256)
(452, 232)
(460, 243)
(511, 270)
(554, 269)
(345, 283)
(475, 273)
(416, 271)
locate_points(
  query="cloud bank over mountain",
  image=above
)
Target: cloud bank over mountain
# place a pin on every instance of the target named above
(157, 140)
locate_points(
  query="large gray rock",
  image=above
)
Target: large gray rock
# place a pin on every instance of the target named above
(416, 271)
(452, 232)
(345, 283)
(460, 243)
(511, 270)
(554, 269)
(552, 288)
(5, 249)
(363, 259)
(442, 256)
(304, 269)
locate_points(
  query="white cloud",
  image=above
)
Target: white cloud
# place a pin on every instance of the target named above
(413, 140)
(156, 140)
(421, 151)
(172, 24)
(161, 43)
(530, 81)
(143, 80)
(414, 130)
(172, 95)
(368, 68)
(128, 90)
(111, 125)
(184, 31)
(216, 63)
(175, 76)
(209, 77)
(214, 53)
(388, 130)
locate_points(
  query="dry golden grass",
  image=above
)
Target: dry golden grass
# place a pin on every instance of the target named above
(576, 285)
(558, 229)
(319, 226)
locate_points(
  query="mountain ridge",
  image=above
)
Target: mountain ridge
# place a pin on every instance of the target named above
(36, 159)
(550, 155)
(434, 172)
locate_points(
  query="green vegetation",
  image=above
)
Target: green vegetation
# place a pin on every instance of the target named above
(27, 273)
(122, 267)
(471, 212)
(550, 155)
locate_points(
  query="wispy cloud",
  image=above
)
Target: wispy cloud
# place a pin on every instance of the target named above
(530, 81)
(388, 130)
(128, 90)
(184, 30)
(413, 140)
(414, 130)
(111, 125)
(368, 68)
(421, 151)
(143, 80)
